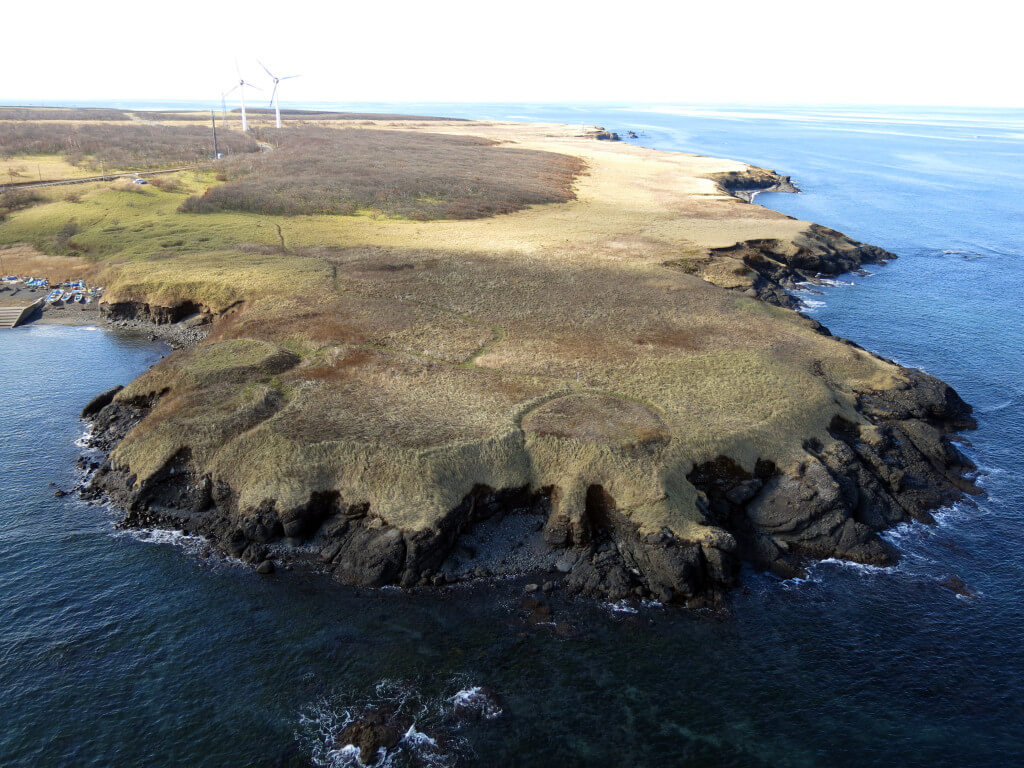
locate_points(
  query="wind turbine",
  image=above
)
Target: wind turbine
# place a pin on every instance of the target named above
(242, 85)
(274, 102)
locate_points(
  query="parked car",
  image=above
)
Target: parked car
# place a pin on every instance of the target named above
(139, 181)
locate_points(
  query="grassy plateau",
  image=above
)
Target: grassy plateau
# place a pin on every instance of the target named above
(407, 309)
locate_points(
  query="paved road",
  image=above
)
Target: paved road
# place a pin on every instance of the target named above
(87, 179)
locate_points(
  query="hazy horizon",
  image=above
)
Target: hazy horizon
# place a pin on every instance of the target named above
(792, 52)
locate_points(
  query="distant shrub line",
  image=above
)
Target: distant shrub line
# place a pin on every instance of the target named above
(59, 113)
(129, 146)
(313, 114)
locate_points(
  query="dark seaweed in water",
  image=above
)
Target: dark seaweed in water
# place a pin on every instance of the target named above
(120, 651)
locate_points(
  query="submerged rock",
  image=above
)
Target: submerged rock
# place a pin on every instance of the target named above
(477, 703)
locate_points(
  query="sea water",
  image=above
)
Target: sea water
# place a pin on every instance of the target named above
(144, 649)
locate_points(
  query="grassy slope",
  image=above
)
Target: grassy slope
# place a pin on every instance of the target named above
(437, 355)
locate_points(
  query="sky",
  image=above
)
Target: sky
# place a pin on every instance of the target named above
(737, 51)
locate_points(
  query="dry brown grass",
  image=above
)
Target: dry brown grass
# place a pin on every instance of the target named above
(117, 145)
(27, 261)
(596, 418)
(399, 173)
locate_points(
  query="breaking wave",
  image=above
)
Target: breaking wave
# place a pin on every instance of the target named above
(428, 725)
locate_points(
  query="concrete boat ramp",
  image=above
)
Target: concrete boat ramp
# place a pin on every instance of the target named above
(12, 315)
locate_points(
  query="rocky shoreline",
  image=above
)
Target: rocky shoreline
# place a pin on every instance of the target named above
(781, 266)
(896, 468)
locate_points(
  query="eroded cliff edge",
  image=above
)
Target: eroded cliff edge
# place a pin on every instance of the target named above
(613, 391)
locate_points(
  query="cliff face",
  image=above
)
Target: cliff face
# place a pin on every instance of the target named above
(611, 391)
(894, 465)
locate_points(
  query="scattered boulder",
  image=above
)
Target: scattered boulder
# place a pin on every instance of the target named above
(958, 586)
(371, 732)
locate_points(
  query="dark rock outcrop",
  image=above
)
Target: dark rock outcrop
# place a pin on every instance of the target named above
(817, 252)
(99, 402)
(895, 466)
(372, 731)
(871, 476)
(602, 135)
(152, 313)
(744, 184)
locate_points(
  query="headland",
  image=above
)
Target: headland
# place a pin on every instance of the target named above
(419, 352)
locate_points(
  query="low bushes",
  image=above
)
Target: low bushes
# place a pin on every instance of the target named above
(399, 173)
(118, 145)
(16, 199)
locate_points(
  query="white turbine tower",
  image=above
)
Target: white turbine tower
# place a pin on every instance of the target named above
(242, 85)
(274, 100)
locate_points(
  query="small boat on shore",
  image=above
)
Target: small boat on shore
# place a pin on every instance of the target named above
(53, 296)
(66, 296)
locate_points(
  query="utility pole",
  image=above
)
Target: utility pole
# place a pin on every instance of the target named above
(213, 119)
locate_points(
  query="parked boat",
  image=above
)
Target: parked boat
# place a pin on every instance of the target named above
(53, 296)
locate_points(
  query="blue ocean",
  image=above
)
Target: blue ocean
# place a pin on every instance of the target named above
(140, 649)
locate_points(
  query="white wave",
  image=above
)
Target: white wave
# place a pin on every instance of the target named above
(955, 513)
(796, 582)
(420, 739)
(815, 573)
(475, 699)
(810, 305)
(321, 724)
(190, 543)
(622, 606)
(631, 607)
(165, 536)
(863, 569)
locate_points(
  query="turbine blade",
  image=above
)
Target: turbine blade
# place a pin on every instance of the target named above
(290, 77)
(273, 93)
(265, 68)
